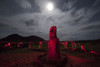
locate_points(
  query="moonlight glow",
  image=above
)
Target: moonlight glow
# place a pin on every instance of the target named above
(50, 6)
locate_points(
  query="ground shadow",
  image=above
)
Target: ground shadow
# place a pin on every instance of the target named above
(38, 50)
(61, 62)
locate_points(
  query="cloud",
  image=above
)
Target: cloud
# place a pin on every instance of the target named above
(24, 3)
(69, 5)
(30, 22)
(96, 3)
(73, 24)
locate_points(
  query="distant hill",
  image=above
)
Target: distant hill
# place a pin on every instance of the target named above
(92, 41)
(16, 38)
(85, 41)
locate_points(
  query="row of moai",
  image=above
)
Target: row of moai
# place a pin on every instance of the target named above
(65, 43)
(21, 44)
(73, 44)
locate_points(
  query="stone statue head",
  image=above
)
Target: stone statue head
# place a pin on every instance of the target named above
(52, 32)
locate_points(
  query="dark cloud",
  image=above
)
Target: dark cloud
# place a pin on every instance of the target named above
(24, 3)
(2, 25)
(96, 17)
(30, 23)
(76, 21)
(95, 27)
(15, 7)
(84, 3)
(8, 8)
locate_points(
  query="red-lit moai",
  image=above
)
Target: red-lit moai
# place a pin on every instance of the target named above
(30, 44)
(53, 45)
(8, 45)
(20, 43)
(40, 44)
(73, 45)
(83, 48)
(65, 44)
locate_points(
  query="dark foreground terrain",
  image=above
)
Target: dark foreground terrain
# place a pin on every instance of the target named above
(85, 54)
(29, 58)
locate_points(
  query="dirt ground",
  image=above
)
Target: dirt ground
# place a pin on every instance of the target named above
(30, 60)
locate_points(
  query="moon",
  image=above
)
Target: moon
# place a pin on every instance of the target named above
(50, 6)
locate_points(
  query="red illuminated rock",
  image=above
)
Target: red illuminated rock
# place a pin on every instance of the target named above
(53, 45)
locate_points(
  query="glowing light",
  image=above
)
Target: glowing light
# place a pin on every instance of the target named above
(50, 6)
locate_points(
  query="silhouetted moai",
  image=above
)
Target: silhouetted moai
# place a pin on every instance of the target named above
(53, 45)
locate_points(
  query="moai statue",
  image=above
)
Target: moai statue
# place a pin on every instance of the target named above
(83, 48)
(30, 44)
(40, 44)
(73, 45)
(8, 45)
(53, 45)
(20, 43)
(63, 44)
(66, 43)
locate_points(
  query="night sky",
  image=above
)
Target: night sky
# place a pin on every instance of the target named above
(75, 19)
